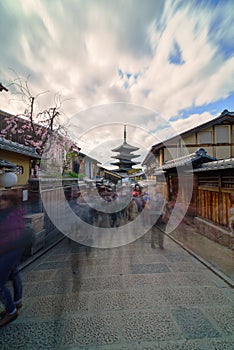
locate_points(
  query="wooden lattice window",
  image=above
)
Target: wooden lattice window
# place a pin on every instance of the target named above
(227, 181)
(208, 181)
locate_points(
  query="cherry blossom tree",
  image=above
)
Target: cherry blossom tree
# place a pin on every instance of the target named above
(35, 127)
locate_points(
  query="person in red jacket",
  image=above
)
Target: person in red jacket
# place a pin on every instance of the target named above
(11, 250)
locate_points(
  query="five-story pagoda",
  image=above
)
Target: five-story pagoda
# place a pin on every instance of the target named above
(125, 156)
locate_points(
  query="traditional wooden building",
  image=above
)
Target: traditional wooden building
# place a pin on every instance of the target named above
(88, 166)
(215, 136)
(214, 190)
(212, 185)
(21, 156)
(207, 153)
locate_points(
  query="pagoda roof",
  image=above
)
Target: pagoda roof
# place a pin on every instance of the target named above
(123, 161)
(127, 161)
(125, 156)
(125, 147)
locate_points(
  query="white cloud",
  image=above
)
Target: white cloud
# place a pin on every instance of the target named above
(193, 120)
(201, 79)
(76, 48)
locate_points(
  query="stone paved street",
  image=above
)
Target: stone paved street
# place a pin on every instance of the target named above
(131, 297)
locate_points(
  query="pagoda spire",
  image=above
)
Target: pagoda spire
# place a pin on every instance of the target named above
(125, 155)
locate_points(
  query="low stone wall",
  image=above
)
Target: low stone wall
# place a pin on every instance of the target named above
(214, 232)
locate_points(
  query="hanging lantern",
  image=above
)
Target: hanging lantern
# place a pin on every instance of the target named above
(8, 179)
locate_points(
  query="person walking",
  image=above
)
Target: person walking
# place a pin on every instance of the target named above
(11, 250)
(157, 204)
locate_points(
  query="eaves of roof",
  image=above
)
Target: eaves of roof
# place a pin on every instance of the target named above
(148, 157)
(15, 147)
(194, 159)
(216, 165)
(88, 157)
(113, 173)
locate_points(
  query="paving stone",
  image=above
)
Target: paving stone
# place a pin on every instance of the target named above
(186, 296)
(222, 344)
(62, 274)
(138, 280)
(36, 276)
(56, 305)
(112, 261)
(186, 267)
(154, 257)
(91, 330)
(57, 257)
(31, 335)
(102, 347)
(194, 324)
(223, 317)
(163, 345)
(53, 265)
(117, 300)
(51, 287)
(208, 344)
(105, 270)
(216, 296)
(200, 278)
(94, 284)
(177, 257)
(149, 325)
(149, 268)
(131, 346)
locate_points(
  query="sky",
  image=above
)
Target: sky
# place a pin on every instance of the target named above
(160, 67)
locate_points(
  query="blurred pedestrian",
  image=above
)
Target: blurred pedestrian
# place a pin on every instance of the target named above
(157, 203)
(11, 250)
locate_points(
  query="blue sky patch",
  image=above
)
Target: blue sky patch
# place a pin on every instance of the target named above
(215, 108)
(126, 85)
(120, 73)
(175, 56)
(128, 75)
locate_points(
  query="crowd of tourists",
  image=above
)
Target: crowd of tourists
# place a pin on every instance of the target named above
(106, 207)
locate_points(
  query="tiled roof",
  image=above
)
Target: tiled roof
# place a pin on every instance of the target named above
(194, 158)
(217, 165)
(15, 147)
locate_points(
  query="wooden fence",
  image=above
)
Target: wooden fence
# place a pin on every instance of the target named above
(214, 205)
(214, 192)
